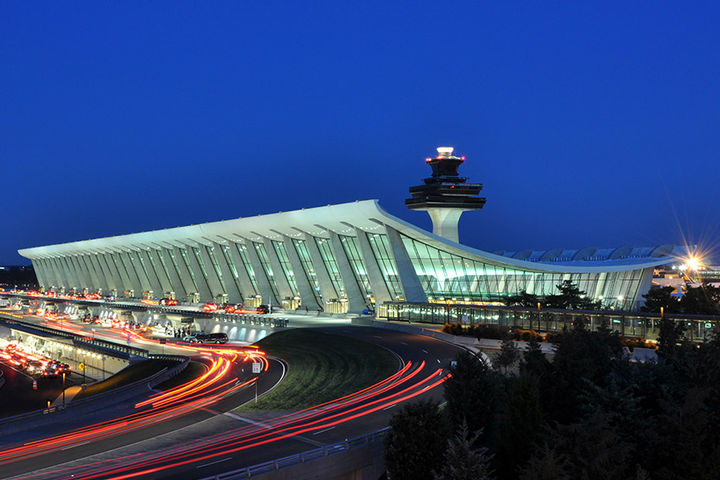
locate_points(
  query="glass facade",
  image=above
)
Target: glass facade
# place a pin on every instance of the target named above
(358, 267)
(386, 261)
(285, 265)
(233, 269)
(186, 262)
(446, 276)
(242, 250)
(331, 265)
(265, 262)
(216, 266)
(309, 270)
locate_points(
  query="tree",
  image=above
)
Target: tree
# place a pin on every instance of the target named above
(534, 361)
(580, 356)
(670, 341)
(570, 296)
(464, 460)
(509, 354)
(523, 425)
(546, 464)
(701, 300)
(660, 297)
(524, 299)
(472, 394)
(415, 445)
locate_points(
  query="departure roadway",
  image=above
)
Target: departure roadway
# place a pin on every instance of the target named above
(190, 431)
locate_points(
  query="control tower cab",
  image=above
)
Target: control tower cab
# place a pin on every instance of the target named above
(445, 195)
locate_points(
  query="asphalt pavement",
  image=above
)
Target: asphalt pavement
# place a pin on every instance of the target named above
(213, 438)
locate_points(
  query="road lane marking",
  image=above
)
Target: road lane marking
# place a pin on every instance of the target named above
(75, 445)
(268, 427)
(426, 352)
(403, 343)
(321, 431)
(213, 463)
(391, 406)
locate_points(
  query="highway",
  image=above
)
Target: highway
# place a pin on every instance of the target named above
(196, 435)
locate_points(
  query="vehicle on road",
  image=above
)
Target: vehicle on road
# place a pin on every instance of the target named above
(206, 338)
(263, 309)
(232, 308)
(210, 307)
(168, 301)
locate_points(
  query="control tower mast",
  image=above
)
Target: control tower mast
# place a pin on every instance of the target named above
(445, 195)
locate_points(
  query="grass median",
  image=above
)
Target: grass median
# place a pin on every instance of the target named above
(322, 367)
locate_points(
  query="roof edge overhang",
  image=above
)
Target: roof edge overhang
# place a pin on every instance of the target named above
(366, 215)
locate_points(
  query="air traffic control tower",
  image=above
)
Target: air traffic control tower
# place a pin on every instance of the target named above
(445, 195)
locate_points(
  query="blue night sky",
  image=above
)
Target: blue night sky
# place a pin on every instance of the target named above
(588, 124)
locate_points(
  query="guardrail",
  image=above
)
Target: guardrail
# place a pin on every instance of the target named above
(118, 349)
(118, 394)
(306, 456)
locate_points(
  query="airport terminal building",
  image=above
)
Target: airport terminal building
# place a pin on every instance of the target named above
(350, 257)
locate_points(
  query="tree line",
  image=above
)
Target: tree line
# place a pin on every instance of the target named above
(569, 296)
(590, 413)
(703, 299)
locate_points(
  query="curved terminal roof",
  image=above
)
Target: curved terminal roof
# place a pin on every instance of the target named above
(366, 215)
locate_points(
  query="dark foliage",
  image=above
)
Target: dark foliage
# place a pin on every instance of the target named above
(661, 297)
(415, 446)
(590, 413)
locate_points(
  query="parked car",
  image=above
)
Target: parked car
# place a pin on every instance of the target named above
(206, 338)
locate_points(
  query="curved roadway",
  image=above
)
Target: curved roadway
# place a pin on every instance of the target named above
(200, 437)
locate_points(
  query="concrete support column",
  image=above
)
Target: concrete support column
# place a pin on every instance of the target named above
(184, 273)
(215, 283)
(206, 294)
(234, 293)
(266, 291)
(445, 222)
(246, 286)
(99, 260)
(105, 280)
(281, 280)
(356, 299)
(177, 285)
(158, 290)
(62, 277)
(92, 275)
(305, 287)
(381, 292)
(39, 272)
(73, 277)
(91, 259)
(82, 273)
(48, 273)
(406, 271)
(136, 262)
(137, 286)
(121, 277)
(159, 269)
(327, 289)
